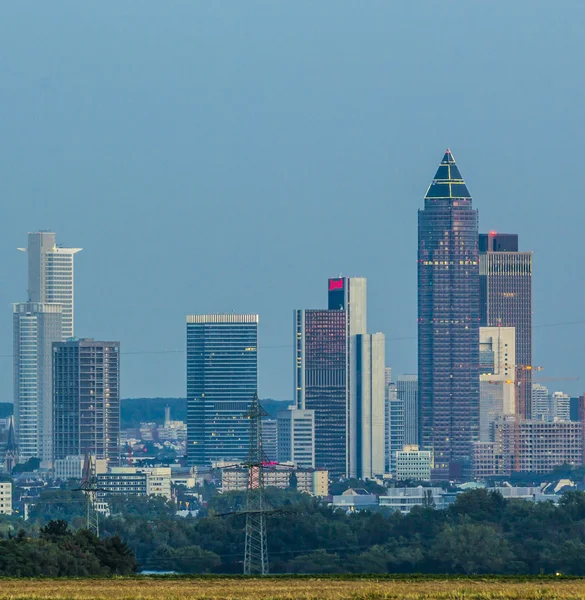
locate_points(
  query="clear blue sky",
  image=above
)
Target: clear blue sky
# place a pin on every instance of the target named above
(219, 156)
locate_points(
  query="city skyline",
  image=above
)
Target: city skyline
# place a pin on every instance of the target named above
(218, 201)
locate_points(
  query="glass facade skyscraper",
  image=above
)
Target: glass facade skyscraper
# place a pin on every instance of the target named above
(448, 323)
(506, 301)
(321, 382)
(222, 378)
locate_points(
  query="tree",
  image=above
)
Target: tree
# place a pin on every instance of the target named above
(55, 530)
(471, 548)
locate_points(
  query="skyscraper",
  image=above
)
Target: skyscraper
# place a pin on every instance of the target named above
(407, 391)
(36, 325)
(339, 373)
(370, 418)
(296, 437)
(395, 425)
(270, 439)
(505, 276)
(541, 403)
(50, 275)
(222, 378)
(321, 383)
(448, 323)
(497, 364)
(86, 399)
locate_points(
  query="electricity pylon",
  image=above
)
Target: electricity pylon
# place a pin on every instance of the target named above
(89, 488)
(256, 551)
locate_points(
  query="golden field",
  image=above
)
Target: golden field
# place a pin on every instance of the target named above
(145, 588)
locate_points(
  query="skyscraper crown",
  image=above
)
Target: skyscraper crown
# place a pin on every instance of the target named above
(448, 182)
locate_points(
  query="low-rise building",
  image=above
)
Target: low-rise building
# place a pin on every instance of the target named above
(71, 467)
(354, 500)
(5, 498)
(404, 499)
(158, 481)
(309, 481)
(412, 463)
(145, 481)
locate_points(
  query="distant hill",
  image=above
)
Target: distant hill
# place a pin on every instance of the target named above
(152, 410)
(273, 406)
(134, 411)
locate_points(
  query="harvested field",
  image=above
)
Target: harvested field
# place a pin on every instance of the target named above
(145, 588)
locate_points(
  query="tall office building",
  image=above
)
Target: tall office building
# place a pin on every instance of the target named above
(222, 378)
(36, 326)
(86, 399)
(448, 323)
(505, 276)
(296, 437)
(541, 403)
(497, 383)
(321, 383)
(270, 439)
(395, 425)
(50, 275)
(370, 418)
(407, 391)
(339, 373)
(561, 406)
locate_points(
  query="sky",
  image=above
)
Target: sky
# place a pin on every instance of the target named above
(231, 156)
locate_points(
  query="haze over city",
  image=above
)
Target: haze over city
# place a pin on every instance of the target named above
(233, 157)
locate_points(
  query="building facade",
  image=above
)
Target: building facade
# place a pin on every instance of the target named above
(531, 446)
(36, 326)
(86, 399)
(396, 425)
(321, 383)
(407, 391)
(296, 437)
(339, 373)
(541, 403)
(561, 406)
(497, 381)
(370, 420)
(412, 463)
(50, 275)
(222, 378)
(448, 323)
(506, 301)
(309, 481)
(270, 439)
(5, 498)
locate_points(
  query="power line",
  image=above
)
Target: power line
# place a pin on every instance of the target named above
(276, 346)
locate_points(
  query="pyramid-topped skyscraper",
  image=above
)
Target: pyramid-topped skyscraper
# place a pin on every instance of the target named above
(448, 323)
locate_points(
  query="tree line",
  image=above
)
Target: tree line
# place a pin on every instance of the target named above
(59, 551)
(480, 533)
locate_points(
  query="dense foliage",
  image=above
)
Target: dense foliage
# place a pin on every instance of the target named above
(58, 551)
(480, 533)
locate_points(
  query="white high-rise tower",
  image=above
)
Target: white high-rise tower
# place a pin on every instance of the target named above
(47, 317)
(50, 275)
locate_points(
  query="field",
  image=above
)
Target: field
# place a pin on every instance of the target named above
(145, 588)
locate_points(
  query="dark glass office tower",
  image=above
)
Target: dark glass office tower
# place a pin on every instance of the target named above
(321, 366)
(448, 323)
(505, 277)
(86, 399)
(222, 378)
